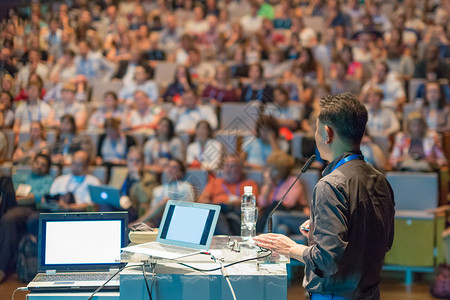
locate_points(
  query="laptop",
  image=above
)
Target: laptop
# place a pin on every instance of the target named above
(103, 194)
(79, 250)
(186, 229)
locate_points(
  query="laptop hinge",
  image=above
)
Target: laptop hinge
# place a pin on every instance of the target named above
(113, 270)
(50, 272)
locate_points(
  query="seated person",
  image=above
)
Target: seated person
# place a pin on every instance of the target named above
(287, 115)
(145, 115)
(373, 154)
(68, 142)
(109, 110)
(135, 185)
(187, 115)
(163, 146)
(33, 110)
(256, 89)
(432, 77)
(181, 83)
(113, 145)
(382, 121)
(256, 151)
(29, 190)
(435, 111)
(227, 192)
(277, 180)
(142, 82)
(418, 149)
(70, 192)
(6, 110)
(220, 90)
(68, 105)
(26, 150)
(205, 152)
(174, 188)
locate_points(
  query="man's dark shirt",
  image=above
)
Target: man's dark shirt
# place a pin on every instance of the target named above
(352, 228)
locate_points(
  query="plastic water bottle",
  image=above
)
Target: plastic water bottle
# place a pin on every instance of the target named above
(248, 214)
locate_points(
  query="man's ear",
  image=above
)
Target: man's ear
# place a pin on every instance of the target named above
(329, 134)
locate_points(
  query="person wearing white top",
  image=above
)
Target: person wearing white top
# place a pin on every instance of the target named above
(142, 83)
(252, 23)
(33, 110)
(76, 183)
(187, 115)
(145, 116)
(35, 64)
(68, 105)
(174, 188)
(382, 121)
(205, 152)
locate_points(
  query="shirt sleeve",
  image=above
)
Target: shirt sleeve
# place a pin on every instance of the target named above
(328, 231)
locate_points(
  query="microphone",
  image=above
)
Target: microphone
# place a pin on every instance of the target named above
(303, 170)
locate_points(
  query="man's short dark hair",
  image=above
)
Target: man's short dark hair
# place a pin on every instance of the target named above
(345, 114)
(46, 158)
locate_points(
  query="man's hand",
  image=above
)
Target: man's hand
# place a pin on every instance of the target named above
(276, 242)
(304, 226)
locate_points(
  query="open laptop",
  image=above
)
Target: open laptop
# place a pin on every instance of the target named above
(186, 229)
(103, 194)
(79, 250)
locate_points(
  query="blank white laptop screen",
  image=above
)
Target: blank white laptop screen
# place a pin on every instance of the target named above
(183, 216)
(82, 242)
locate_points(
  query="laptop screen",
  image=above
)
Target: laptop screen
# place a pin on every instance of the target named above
(187, 224)
(84, 241)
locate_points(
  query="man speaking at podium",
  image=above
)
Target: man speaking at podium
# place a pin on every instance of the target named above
(352, 211)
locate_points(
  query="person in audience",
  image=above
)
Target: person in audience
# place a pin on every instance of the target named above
(432, 77)
(69, 106)
(418, 149)
(174, 187)
(170, 36)
(256, 89)
(34, 65)
(312, 70)
(372, 153)
(27, 150)
(145, 116)
(6, 110)
(201, 72)
(275, 67)
(90, 65)
(252, 23)
(382, 121)
(397, 60)
(126, 68)
(287, 114)
(23, 95)
(33, 110)
(30, 188)
(205, 152)
(435, 112)
(186, 116)
(64, 69)
(354, 68)
(277, 180)
(68, 142)
(154, 53)
(72, 188)
(341, 83)
(226, 191)
(431, 59)
(6, 64)
(221, 89)
(393, 91)
(239, 67)
(8, 85)
(109, 110)
(256, 151)
(135, 185)
(113, 145)
(163, 146)
(142, 82)
(181, 83)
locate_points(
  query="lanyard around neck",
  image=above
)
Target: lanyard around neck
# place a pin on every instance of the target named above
(347, 159)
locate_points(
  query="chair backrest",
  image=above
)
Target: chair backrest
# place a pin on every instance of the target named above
(164, 73)
(316, 23)
(239, 117)
(10, 137)
(414, 191)
(100, 88)
(413, 86)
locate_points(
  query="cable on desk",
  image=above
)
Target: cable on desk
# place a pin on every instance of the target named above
(230, 264)
(21, 288)
(109, 279)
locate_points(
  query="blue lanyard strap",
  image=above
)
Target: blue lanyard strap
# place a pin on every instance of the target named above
(347, 159)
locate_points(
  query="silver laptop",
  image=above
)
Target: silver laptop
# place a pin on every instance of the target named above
(79, 250)
(186, 229)
(103, 194)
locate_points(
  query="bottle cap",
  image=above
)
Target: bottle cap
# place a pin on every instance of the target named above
(248, 189)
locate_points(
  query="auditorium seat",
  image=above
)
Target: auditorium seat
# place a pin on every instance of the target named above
(99, 89)
(239, 117)
(414, 84)
(296, 145)
(229, 140)
(164, 73)
(10, 137)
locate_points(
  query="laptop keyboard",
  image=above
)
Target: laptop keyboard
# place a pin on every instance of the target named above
(102, 276)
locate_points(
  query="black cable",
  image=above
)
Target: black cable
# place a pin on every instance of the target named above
(229, 265)
(146, 282)
(109, 279)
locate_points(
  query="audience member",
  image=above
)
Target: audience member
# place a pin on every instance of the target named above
(27, 150)
(6, 110)
(145, 115)
(221, 89)
(69, 106)
(34, 65)
(256, 89)
(286, 113)
(205, 152)
(181, 83)
(382, 121)
(141, 82)
(109, 110)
